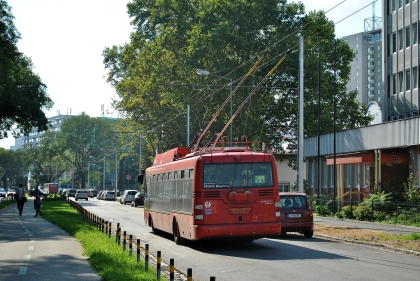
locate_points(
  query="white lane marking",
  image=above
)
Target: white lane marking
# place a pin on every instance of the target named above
(32, 240)
(28, 257)
(31, 248)
(22, 270)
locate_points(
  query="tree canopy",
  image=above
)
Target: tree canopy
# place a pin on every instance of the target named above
(22, 93)
(154, 73)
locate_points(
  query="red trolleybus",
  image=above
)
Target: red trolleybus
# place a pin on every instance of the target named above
(213, 193)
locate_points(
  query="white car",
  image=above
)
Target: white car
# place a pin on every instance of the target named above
(128, 196)
(81, 194)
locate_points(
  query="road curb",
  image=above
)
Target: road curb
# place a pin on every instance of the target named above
(372, 244)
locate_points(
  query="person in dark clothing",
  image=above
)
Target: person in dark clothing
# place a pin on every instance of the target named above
(37, 202)
(20, 197)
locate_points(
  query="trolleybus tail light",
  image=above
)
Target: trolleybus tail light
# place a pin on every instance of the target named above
(199, 207)
(278, 214)
(277, 204)
(199, 217)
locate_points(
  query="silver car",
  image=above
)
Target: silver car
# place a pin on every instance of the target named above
(81, 194)
(128, 196)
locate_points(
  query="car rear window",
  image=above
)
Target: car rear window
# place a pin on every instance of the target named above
(293, 201)
(131, 193)
(110, 192)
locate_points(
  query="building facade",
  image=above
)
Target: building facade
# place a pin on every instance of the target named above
(400, 52)
(34, 137)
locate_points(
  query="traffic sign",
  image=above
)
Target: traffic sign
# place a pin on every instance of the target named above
(128, 177)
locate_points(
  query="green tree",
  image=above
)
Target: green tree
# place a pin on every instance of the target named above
(22, 93)
(82, 138)
(12, 167)
(226, 37)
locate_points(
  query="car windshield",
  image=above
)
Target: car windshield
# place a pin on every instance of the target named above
(293, 201)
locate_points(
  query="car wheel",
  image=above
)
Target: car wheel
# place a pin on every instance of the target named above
(120, 202)
(86, 199)
(131, 204)
(76, 199)
(308, 234)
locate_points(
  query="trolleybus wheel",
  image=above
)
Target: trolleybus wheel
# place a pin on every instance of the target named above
(175, 230)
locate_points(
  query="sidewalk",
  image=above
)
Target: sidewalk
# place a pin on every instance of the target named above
(32, 248)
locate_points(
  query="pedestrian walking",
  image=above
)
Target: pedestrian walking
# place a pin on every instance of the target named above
(37, 202)
(21, 198)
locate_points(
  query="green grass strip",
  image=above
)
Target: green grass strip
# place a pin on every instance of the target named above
(104, 254)
(412, 236)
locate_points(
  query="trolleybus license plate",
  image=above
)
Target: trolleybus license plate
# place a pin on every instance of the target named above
(294, 215)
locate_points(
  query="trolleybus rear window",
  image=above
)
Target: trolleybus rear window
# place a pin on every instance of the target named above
(228, 175)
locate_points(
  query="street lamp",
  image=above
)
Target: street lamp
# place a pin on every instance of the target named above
(203, 72)
(91, 157)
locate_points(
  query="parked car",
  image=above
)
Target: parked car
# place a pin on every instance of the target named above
(99, 194)
(109, 195)
(11, 193)
(92, 193)
(127, 196)
(71, 193)
(2, 193)
(81, 194)
(296, 214)
(138, 200)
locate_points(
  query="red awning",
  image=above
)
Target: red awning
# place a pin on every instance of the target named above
(368, 157)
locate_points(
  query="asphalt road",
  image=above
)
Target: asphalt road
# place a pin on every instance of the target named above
(289, 258)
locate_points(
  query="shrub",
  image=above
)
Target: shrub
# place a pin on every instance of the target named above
(347, 212)
(363, 213)
(322, 210)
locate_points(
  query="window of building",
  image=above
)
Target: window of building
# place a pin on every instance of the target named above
(357, 73)
(394, 42)
(407, 80)
(357, 81)
(407, 2)
(400, 4)
(393, 5)
(400, 82)
(415, 78)
(357, 66)
(394, 84)
(407, 37)
(357, 38)
(415, 34)
(357, 45)
(379, 47)
(400, 40)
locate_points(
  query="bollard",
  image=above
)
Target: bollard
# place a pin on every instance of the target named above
(116, 232)
(171, 270)
(124, 241)
(212, 278)
(189, 274)
(138, 250)
(102, 225)
(146, 258)
(106, 227)
(131, 245)
(110, 230)
(119, 235)
(158, 261)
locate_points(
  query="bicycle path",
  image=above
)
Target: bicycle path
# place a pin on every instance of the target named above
(31, 248)
(396, 229)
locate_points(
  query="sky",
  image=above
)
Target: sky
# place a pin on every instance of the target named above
(65, 40)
